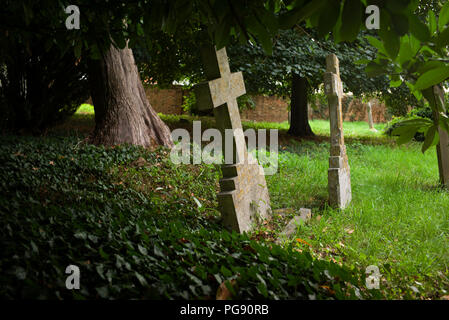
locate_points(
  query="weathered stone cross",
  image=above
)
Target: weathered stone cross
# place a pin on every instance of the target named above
(339, 179)
(244, 199)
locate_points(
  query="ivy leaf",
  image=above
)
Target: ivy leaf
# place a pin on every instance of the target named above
(142, 249)
(141, 279)
(432, 77)
(20, 273)
(103, 292)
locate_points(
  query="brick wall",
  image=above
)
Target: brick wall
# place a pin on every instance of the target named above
(355, 110)
(167, 101)
(271, 109)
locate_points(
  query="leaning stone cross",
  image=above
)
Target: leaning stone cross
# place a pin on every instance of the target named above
(339, 179)
(443, 144)
(243, 199)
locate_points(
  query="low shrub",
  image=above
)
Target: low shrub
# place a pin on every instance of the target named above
(418, 113)
(138, 227)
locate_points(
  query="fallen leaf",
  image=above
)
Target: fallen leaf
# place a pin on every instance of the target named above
(303, 241)
(52, 163)
(349, 231)
(445, 298)
(140, 162)
(223, 293)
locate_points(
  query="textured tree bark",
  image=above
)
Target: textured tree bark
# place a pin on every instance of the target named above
(122, 111)
(299, 121)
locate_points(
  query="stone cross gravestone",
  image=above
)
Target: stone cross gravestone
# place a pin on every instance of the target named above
(243, 199)
(339, 179)
(443, 145)
(370, 116)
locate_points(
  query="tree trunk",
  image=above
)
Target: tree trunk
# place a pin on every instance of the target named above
(299, 123)
(122, 111)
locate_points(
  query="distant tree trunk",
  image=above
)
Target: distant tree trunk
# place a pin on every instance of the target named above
(299, 123)
(122, 111)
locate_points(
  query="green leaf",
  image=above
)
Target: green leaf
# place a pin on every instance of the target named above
(300, 13)
(77, 49)
(103, 292)
(81, 235)
(443, 18)
(397, 6)
(432, 22)
(222, 33)
(261, 33)
(20, 273)
(362, 61)
(432, 77)
(374, 70)
(328, 17)
(405, 52)
(443, 122)
(351, 20)
(225, 272)
(431, 139)
(419, 29)
(142, 249)
(395, 83)
(141, 279)
(443, 39)
(400, 24)
(390, 39)
(430, 65)
(158, 252)
(376, 43)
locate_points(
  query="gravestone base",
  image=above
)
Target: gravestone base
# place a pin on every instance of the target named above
(244, 201)
(339, 178)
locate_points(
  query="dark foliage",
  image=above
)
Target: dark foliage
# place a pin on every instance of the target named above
(38, 88)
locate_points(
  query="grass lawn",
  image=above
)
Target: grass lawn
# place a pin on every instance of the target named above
(398, 219)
